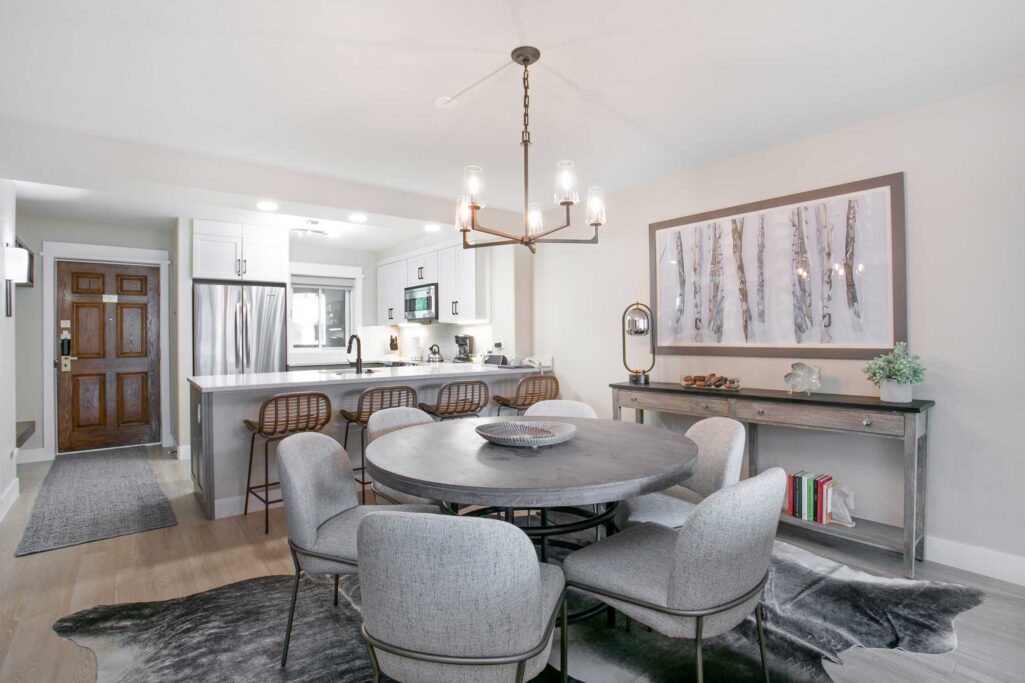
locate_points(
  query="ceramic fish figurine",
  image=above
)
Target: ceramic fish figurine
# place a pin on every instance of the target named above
(803, 378)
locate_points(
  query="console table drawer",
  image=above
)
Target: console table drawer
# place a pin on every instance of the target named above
(843, 419)
(688, 405)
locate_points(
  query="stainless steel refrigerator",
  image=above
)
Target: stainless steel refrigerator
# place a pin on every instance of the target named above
(237, 328)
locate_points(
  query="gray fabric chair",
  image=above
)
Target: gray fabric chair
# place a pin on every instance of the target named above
(385, 422)
(456, 599)
(696, 582)
(720, 443)
(322, 510)
(560, 408)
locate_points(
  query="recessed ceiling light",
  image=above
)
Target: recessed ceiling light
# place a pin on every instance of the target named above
(357, 218)
(432, 227)
(267, 205)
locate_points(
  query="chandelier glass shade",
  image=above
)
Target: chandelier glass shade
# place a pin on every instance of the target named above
(471, 201)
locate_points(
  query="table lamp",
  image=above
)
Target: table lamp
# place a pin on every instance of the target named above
(637, 323)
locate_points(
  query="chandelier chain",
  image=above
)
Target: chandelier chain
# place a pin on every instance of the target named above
(526, 106)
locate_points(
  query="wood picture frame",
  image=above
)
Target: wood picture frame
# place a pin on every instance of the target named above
(817, 274)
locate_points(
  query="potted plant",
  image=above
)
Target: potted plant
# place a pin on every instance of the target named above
(895, 373)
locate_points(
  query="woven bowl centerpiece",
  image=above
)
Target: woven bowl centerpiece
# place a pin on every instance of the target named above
(527, 434)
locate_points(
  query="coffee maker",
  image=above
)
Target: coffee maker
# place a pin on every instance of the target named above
(464, 348)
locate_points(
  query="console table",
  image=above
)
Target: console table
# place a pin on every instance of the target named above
(841, 413)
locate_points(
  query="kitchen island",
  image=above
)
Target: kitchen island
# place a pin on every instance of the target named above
(219, 404)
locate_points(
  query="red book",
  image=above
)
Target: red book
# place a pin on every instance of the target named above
(790, 495)
(820, 514)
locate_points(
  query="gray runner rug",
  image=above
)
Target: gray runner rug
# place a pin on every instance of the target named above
(90, 496)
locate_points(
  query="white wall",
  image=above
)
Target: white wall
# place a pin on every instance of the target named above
(964, 164)
(317, 250)
(8, 362)
(33, 232)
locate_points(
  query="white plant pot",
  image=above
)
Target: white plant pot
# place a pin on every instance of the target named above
(895, 392)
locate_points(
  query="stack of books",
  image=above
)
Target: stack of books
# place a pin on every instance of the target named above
(810, 496)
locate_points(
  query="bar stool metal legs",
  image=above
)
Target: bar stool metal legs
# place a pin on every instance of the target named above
(254, 491)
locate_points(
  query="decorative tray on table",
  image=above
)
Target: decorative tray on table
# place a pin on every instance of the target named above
(711, 381)
(527, 434)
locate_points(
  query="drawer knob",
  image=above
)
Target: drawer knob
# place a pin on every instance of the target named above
(761, 411)
(704, 406)
(633, 398)
(866, 422)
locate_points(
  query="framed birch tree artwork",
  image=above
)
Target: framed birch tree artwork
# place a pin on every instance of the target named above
(818, 274)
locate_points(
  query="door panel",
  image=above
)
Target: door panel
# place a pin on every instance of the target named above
(216, 329)
(110, 396)
(264, 311)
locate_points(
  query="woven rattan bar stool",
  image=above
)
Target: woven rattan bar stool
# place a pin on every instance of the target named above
(370, 401)
(529, 391)
(459, 399)
(281, 416)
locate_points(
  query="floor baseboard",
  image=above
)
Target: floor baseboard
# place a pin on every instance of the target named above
(27, 455)
(8, 498)
(973, 558)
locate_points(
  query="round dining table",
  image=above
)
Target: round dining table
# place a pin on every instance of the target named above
(605, 462)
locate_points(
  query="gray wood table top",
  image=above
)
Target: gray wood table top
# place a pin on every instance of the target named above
(606, 461)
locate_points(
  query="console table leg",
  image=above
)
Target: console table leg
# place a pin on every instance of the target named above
(911, 493)
(752, 449)
(639, 416)
(617, 410)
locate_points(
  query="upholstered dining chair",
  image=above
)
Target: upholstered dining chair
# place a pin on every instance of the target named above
(720, 443)
(696, 582)
(385, 422)
(322, 510)
(456, 599)
(560, 408)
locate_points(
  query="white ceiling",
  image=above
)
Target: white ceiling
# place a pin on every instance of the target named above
(630, 90)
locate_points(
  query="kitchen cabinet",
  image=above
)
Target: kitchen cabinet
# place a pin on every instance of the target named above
(216, 250)
(232, 251)
(463, 290)
(391, 293)
(264, 254)
(422, 269)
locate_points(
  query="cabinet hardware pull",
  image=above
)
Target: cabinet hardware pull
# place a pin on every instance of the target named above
(866, 422)
(633, 398)
(761, 411)
(245, 266)
(238, 266)
(456, 304)
(390, 313)
(704, 406)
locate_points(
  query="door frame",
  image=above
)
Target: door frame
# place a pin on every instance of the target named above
(52, 252)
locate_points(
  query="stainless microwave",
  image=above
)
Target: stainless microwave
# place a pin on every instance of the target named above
(422, 303)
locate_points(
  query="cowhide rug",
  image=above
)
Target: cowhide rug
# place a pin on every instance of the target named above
(815, 609)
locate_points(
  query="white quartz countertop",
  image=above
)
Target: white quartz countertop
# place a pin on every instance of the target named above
(307, 378)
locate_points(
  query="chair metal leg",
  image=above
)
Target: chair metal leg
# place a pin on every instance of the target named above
(520, 666)
(249, 477)
(291, 610)
(363, 456)
(374, 664)
(544, 539)
(564, 640)
(697, 651)
(345, 439)
(761, 641)
(610, 617)
(266, 487)
(336, 590)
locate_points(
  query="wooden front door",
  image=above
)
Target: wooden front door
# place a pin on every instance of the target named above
(111, 394)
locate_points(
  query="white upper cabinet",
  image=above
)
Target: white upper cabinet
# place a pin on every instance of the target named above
(264, 254)
(391, 292)
(422, 269)
(216, 250)
(463, 290)
(232, 251)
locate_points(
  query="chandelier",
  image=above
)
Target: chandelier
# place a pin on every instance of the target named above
(469, 204)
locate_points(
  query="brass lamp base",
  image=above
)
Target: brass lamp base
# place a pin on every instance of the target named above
(639, 378)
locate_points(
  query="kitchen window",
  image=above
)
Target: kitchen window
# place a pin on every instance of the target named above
(321, 313)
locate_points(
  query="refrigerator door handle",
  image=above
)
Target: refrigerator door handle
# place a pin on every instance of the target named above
(238, 336)
(245, 321)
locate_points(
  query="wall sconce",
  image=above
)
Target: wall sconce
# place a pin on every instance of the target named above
(15, 271)
(637, 323)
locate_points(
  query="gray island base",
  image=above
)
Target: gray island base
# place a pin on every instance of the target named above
(219, 404)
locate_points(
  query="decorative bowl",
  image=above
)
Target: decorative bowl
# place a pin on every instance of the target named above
(527, 434)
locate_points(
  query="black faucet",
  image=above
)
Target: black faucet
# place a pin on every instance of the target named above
(359, 352)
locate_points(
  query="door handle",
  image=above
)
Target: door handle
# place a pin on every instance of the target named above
(238, 336)
(66, 363)
(238, 267)
(390, 316)
(245, 266)
(453, 308)
(245, 323)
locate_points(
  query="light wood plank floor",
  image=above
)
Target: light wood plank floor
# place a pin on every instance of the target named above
(198, 555)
